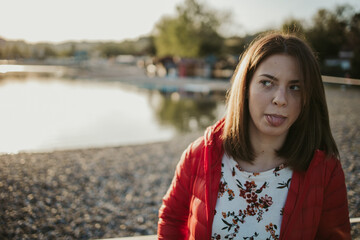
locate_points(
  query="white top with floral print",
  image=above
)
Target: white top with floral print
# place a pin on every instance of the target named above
(250, 205)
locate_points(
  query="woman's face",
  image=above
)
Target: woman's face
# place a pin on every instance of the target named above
(275, 96)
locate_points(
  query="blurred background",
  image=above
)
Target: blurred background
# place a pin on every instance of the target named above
(116, 41)
(146, 78)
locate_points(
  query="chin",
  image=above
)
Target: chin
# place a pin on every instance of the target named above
(270, 131)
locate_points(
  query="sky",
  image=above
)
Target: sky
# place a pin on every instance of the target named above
(116, 20)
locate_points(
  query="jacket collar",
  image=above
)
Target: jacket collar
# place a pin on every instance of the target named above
(214, 132)
(213, 152)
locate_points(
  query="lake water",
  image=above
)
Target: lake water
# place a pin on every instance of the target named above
(44, 113)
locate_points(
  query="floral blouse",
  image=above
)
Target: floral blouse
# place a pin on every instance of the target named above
(250, 205)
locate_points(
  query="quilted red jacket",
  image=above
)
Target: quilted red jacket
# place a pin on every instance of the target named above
(316, 205)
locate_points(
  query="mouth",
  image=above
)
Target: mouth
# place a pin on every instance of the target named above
(275, 120)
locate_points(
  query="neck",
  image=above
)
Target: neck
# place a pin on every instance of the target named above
(265, 152)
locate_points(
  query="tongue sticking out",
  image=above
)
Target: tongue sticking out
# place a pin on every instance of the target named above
(275, 120)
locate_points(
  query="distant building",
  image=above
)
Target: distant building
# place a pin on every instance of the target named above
(343, 61)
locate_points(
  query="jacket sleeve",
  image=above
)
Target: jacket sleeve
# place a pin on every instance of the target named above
(173, 214)
(334, 221)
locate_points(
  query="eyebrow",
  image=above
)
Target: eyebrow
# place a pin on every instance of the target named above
(275, 79)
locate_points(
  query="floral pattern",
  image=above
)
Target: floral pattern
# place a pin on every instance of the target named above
(248, 203)
(271, 229)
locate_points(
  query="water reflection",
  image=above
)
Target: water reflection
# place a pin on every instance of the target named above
(186, 114)
(44, 113)
(39, 115)
(23, 72)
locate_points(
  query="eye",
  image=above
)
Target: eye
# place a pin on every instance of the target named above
(295, 87)
(266, 83)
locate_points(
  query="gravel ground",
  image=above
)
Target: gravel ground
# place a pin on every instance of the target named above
(117, 191)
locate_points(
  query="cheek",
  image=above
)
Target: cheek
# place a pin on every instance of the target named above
(260, 101)
(296, 108)
(256, 106)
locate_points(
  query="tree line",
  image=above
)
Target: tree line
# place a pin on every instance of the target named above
(334, 34)
(194, 32)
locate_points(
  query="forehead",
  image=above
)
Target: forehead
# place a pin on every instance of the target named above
(280, 65)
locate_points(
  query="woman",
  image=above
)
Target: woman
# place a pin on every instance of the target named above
(270, 168)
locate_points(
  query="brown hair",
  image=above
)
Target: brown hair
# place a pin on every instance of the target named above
(309, 132)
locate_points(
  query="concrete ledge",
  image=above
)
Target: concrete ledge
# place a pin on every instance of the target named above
(339, 80)
(355, 220)
(148, 237)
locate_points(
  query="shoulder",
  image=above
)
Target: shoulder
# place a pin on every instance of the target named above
(211, 137)
(194, 149)
(321, 159)
(329, 167)
(197, 146)
(191, 155)
(195, 154)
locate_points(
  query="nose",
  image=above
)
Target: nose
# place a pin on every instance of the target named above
(280, 98)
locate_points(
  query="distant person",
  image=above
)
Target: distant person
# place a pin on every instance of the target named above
(270, 168)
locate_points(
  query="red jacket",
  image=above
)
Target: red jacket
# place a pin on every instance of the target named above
(316, 205)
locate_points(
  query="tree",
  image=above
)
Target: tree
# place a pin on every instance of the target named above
(333, 31)
(292, 26)
(49, 52)
(109, 50)
(327, 35)
(147, 46)
(176, 38)
(234, 45)
(15, 52)
(354, 42)
(192, 33)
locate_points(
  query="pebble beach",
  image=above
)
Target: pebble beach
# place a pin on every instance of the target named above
(117, 191)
